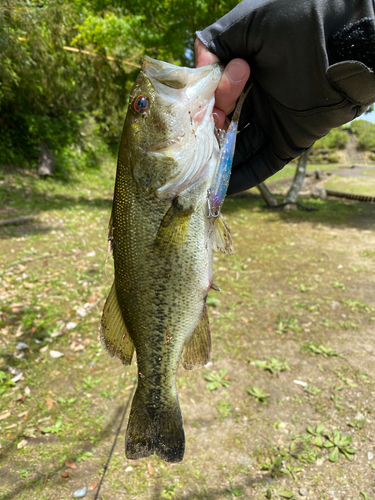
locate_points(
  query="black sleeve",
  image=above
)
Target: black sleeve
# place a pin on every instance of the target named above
(312, 67)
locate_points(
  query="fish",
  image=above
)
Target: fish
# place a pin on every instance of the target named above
(162, 236)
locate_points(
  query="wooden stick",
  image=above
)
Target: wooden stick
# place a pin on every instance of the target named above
(17, 220)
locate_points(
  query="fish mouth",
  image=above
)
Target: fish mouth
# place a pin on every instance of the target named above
(187, 96)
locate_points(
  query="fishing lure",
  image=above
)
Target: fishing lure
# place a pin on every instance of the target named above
(216, 194)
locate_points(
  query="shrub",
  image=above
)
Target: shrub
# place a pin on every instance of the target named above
(335, 139)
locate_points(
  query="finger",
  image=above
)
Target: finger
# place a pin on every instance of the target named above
(202, 55)
(233, 81)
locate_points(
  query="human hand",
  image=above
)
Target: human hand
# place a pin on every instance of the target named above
(308, 76)
(235, 76)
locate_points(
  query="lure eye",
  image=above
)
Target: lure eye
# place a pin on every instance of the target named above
(141, 103)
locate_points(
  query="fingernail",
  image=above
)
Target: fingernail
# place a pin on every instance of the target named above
(235, 72)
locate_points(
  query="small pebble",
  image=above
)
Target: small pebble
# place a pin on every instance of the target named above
(71, 325)
(81, 311)
(21, 345)
(303, 492)
(370, 455)
(129, 469)
(80, 493)
(56, 354)
(299, 382)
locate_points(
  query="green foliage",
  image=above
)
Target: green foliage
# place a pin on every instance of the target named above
(217, 380)
(313, 348)
(335, 139)
(169, 491)
(258, 394)
(224, 409)
(65, 63)
(54, 429)
(365, 132)
(5, 382)
(273, 365)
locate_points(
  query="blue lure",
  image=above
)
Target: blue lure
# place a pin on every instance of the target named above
(216, 194)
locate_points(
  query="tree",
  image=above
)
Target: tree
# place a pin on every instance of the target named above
(66, 68)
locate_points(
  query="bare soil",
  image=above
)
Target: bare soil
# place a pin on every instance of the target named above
(291, 412)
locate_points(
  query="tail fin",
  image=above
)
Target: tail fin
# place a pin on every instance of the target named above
(155, 430)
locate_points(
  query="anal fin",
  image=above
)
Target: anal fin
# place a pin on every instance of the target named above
(197, 350)
(113, 333)
(220, 237)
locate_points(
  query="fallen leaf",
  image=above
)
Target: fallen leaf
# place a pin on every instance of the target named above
(27, 390)
(19, 332)
(92, 299)
(92, 369)
(64, 474)
(150, 469)
(22, 400)
(17, 377)
(43, 349)
(49, 403)
(86, 342)
(5, 415)
(245, 320)
(10, 435)
(71, 325)
(56, 354)
(21, 444)
(26, 416)
(81, 311)
(71, 358)
(93, 486)
(55, 373)
(70, 464)
(76, 346)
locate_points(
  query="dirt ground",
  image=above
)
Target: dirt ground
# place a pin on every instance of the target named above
(285, 408)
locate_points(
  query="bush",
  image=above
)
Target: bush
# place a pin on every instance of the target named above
(335, 139)
(366, 140)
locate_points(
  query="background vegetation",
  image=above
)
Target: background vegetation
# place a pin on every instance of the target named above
(66, 69)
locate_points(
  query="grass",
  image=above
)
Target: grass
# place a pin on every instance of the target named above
(296, 304)
(357, 185)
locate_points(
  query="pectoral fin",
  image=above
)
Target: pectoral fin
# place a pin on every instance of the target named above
(197, 350)
(173, 229)
(113, 333)
(219, 233)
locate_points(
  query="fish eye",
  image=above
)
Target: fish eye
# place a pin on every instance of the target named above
(141, 103)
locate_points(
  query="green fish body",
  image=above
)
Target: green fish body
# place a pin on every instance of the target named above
(162, 246)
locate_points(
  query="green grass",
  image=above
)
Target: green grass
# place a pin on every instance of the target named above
(357, 185)
(300, 284)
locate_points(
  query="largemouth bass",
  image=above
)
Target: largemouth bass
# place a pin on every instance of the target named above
(162, 237)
